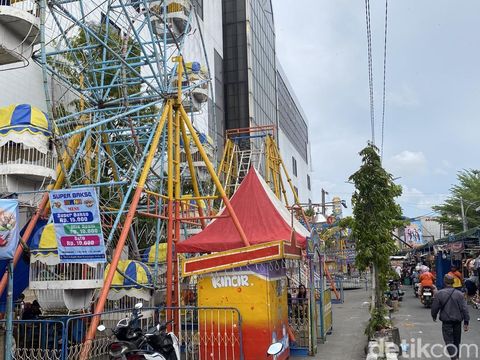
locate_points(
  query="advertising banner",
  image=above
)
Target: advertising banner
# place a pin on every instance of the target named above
(413, 233)
(9, 233)
(78, 230)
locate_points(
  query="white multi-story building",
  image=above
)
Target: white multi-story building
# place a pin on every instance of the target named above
(293, 139)
(257, 92)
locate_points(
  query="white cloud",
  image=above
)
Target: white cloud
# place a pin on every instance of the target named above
(414, 198)
(408, 163)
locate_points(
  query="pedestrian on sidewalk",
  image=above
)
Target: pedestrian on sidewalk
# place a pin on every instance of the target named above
(453, 310)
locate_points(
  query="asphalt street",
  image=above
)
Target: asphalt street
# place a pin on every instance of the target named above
(423, 337)
(347, 341)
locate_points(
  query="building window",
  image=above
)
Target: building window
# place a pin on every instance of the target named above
(309, 186)
(294, 166)
(296, 191)
(198, 5)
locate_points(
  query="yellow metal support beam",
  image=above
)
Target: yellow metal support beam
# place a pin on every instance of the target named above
(191, 168)
(214, 176)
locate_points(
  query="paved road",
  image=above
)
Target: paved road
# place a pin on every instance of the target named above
(347, 342)
(417, 329)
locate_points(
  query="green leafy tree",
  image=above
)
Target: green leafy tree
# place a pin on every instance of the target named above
(375, 216)
(468, 189)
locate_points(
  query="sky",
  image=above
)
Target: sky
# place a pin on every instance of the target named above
(432, 90)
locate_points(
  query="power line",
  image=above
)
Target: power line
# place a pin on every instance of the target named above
(384, 76)
(370, 68)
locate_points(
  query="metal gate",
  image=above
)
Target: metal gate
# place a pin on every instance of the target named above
(204, 333)
(208, 333)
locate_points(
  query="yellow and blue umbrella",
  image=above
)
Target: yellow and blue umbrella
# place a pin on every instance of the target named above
(134, 270)
(44, 240)
(24, 118)
(148, 255)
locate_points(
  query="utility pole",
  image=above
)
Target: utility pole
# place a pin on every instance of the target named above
(323, 202)
(464, 218)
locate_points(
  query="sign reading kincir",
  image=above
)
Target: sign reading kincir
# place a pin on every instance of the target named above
(230, 281)
(77, 225)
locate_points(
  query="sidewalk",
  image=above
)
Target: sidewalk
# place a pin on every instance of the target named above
(347, 340)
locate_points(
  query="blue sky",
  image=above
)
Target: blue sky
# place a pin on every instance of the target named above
(433, 87)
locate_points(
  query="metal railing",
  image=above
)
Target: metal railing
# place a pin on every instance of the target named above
(16, 154)
(352, 282)
(204, 333)
(30, 6)
(35, 339)
(208, 333)
(42, 272)
(298, 319)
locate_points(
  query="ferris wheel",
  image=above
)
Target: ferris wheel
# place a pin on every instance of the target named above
(123, 80)
(109, 68)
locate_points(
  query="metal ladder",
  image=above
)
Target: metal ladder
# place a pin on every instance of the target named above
(247, 158)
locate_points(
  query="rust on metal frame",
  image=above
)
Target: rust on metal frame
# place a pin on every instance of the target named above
(251, 130)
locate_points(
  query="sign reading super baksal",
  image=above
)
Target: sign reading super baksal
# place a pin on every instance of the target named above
(78, 230)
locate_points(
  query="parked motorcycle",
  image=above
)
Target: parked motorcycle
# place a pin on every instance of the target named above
(416, 287)
(394, 291)
(132, 343)
(155, 344)
(427, 297)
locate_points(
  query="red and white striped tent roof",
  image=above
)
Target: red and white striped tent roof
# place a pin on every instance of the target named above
(264, 218)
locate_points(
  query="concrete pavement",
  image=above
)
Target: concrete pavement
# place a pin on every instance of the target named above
(421, 334)
(347, 341)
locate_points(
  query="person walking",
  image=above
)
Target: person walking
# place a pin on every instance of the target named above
(453, 310)
(457, 278)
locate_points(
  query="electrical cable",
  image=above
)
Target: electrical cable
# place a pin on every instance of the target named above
(384, 78)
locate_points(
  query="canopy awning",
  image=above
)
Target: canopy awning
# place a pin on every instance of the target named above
(25, 124)
(148, 255)
(263, 216)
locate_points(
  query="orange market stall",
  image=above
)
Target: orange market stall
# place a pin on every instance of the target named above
(250, 279)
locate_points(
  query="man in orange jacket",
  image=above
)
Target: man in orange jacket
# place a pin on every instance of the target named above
(427, 280)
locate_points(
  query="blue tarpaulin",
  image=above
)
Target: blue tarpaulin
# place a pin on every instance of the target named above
(22, 270)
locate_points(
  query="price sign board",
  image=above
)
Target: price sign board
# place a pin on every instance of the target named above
(78, 230)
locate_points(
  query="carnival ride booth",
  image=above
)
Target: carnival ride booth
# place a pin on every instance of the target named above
(155, 258)
(19, 31)
(27, 158)
(171, 18)
(131, 284)
(251, 279)
(197, 76)
(61, 287)
(198, 163)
